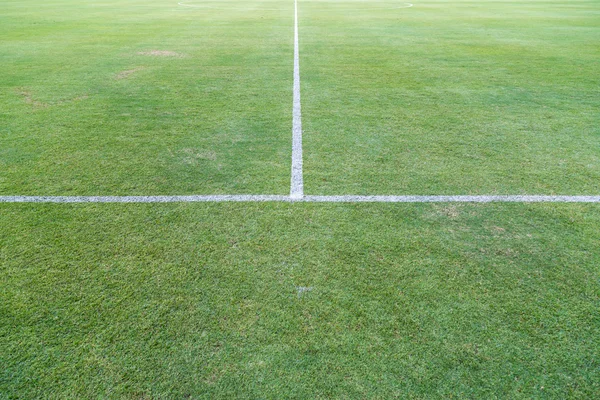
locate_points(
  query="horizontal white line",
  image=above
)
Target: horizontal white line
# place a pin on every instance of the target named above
(454, 199)
(141, 199)
(305, 199)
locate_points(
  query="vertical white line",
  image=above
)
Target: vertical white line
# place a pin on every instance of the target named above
(297, 187)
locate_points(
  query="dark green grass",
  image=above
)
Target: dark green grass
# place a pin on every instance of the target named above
(82, 112)
(418, 301)
(451, 97)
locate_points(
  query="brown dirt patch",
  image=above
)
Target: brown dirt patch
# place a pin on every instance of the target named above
(29, 99)
(126, 74)
(450, 211)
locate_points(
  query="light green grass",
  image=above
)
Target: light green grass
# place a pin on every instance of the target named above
(82, 112)
(451, 97)
(413, 301)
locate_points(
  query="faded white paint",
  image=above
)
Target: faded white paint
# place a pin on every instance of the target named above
(305, 199)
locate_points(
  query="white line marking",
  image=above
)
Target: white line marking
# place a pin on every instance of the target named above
(303, 289)
(142, 199)
(454, 199)
(297, 186)
(305, 199)
(184, 4)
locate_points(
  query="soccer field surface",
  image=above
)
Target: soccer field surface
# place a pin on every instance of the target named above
(201, 102)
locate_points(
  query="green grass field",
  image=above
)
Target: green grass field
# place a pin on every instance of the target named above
(299, 300)
(452, 97)
(137, 97)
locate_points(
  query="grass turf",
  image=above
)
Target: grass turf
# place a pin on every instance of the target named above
(143, 97)
(199, 300)
(298, 300)
(451, 97)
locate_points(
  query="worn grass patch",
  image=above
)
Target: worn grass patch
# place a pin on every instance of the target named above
(158, 79)
(126, 74)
